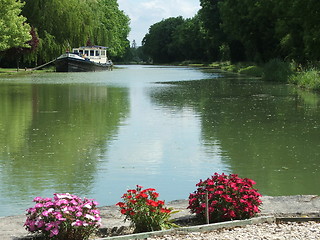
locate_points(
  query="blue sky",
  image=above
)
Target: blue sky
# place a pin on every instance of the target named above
(144, 13)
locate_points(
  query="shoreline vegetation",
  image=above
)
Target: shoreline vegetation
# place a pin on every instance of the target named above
(5, 72)
(275, 70)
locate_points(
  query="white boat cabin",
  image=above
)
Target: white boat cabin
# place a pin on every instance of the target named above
(96, 54)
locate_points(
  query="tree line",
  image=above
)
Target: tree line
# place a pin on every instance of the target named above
(42, 29)
(247, 30)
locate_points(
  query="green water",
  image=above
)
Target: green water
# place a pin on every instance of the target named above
(98, 134)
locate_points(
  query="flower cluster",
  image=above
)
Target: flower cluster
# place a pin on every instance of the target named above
(228, 197)
(65, 217)
(144, 210)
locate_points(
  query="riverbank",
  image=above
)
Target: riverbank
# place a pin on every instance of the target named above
(112, 221)
(275, 71)
(4, 72)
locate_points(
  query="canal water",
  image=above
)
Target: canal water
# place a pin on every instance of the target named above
(98, 134)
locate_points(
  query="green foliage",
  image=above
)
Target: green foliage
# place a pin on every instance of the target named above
(159, 43)
(277, 70)
(145, 211)
(115, 27)
(238, 31)
(178, 39)
(254, 71)
(14, 32)
(308, 79)
(251, 24)
(225, 197)
(190, 40)
(230, 68)
(63, 24)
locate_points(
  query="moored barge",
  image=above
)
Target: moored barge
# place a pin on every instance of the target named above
(84, 59)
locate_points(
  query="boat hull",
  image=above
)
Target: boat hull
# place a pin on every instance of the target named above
(69, 64)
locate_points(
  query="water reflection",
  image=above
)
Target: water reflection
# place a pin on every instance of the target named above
(263, 131)
(54, 135)
(97, 134)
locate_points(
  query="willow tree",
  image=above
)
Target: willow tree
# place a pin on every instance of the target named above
(14, 32)
(63, 24)
(113, 27)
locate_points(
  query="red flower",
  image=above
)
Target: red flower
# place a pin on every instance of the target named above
(230, 197)
(155, 195)
(132, 191)
(152, 203)
(218, 192)
(132, 213)
(121, 204)
(165, 210)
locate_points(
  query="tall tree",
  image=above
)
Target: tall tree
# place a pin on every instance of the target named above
(14, 32)
(190, 39)
(158, 42)
(308, 13)
(63, 24)
(220, 45)
(114, 27)
(252, 23)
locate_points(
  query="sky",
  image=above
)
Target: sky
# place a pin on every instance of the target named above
(144, 13)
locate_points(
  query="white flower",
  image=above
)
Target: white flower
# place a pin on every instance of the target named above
(66, 195)
(87, 206)
(90, 217)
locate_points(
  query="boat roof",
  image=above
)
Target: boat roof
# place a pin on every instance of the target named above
(99, 47)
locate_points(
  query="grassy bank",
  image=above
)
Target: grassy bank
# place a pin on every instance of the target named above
(276, 71)
(13, 71)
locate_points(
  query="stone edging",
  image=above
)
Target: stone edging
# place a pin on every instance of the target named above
(198, 228)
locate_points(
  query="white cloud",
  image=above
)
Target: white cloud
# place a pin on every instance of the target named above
(144, 13)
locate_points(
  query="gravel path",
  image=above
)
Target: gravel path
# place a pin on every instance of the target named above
(283, 231)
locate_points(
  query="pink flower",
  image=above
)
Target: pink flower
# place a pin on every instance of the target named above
(37, 199)
(54, 232)
(39, 205)
(77, 223)
(78, 214)
(95, 211)
(62, 214)
(47, 212)
(40, 223)
(48, 204)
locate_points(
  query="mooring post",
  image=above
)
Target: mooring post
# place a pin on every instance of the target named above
(207, 208)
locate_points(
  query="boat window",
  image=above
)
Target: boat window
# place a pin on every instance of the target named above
(86, 52)
(103, 52)
(81, 51)
(97, 53)
(91, 52)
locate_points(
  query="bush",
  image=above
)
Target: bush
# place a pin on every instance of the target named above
(277, 71)
(308, 79)
(229, 197)
(230, 68)
(254, 71)
(145, 211)
(66, 217)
